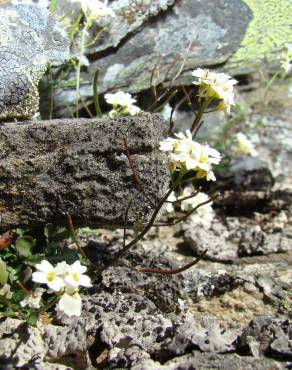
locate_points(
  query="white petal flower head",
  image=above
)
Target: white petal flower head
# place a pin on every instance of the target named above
(123, 104)
(75, 276)
(168, 207)
(215, 86)
(94, 8)
(33, 300)
(133, 109)
(119, 98)
(184, 153)
(244, 145)
(5, 291)
(204, 214)
(168, 144)
(47, 274)
(166, 112)
(70, 304)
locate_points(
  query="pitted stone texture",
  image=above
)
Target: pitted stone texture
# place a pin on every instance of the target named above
(268, 336)
(17, 338)
(210, 361)
(49, 168)
(23, 344)
(30, 40)
(238, 237)
(65, 342)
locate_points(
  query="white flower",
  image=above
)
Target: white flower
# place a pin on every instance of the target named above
(47, 274)
(75, 276)
(286, 59)
(215, 86)
(33, 300)
(166, 112)
(244, 145)
(168, 207)
(204, 214)
(119, 98)
(184, 153)
(94, 8)
(5, 291)
(123, 104)
(70, 304)
(133, 109)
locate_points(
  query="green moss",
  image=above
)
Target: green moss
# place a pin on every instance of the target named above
(265, 36)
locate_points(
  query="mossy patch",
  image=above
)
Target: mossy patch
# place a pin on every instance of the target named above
(265, 36)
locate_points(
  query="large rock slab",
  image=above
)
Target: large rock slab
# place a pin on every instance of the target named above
(49, 168)
(237, 35)
(211, 31)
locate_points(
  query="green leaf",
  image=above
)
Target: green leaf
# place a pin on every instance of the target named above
(24, 244)
(32, 318)
(34, 259)
(49, 231)
(53, 6)
(18, 296)
(9, 312)
(62, 235)
(3, 272)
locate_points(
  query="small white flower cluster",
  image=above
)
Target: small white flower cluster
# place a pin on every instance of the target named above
(64, 280)
(5, 291)
(186, 154)
(218, 86)
(244, 145)
(286, 59)
(94, 8)
(123, 104)
(202, 216)
(33, 300)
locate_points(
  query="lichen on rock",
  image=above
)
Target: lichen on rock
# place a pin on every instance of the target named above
(30, 39)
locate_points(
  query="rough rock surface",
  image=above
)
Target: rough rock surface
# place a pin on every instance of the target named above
(127, 18)
(125, 325)
(50, 168)
(168, 37)
(161, 43)
(31, 39)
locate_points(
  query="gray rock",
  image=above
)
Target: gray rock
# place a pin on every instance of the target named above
(250, 173)
(80, 167)
(30, 40)
(127, 18)
(238, 237)
(214, 36)
(209, 361)
(268, 336)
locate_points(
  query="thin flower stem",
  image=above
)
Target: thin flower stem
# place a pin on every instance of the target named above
(199, 115)
(175, 222)
(128, 246)
(171, 271)
(185, 198)
(78, 70)
(23, 288)
(95, 93)
(46, 307)
(126, 222)
(7, 303)
(74, 237)
(165, 102)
